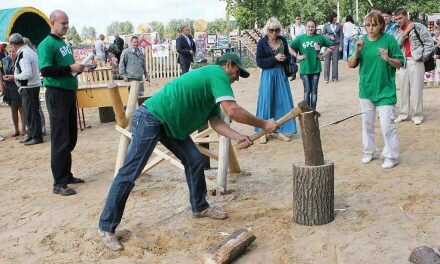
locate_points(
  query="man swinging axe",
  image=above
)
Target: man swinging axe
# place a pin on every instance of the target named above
(170, 116)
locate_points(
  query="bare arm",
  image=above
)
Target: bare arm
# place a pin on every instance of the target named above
(241, 115)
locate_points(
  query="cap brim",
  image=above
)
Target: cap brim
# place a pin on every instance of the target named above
(243, 72)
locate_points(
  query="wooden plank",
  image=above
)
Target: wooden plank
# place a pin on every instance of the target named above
(97, 96)
(124, 141)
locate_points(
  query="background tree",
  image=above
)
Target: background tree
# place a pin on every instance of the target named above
(88, 34)
(219, 25)
(158, 27)
(172, 29)
(72, 36)
(123, 28)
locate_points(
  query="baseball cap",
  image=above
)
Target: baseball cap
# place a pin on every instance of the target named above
(236, 60)
(16, 38)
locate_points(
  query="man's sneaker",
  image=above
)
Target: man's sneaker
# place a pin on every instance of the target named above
(110, 240)
(389, 163)
(63, 190)
(417, 122)
(211, 212)
(25, 140)
(367, 158)
(400, 118)
(34, 141)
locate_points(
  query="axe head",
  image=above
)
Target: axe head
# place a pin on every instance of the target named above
(306, 108)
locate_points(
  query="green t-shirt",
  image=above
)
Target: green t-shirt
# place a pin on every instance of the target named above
(53, 51)
(187, 102)
(377, 78)
(310, 46)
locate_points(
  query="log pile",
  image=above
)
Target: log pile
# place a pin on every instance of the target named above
(250, 38)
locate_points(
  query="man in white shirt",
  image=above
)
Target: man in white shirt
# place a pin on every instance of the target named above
(297, 29)
(27, 78)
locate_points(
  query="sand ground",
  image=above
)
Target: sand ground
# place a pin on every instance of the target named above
(380, 215)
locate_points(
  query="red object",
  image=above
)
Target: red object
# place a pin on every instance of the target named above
(407, 43)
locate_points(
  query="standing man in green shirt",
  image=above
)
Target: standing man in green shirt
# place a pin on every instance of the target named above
(59, 71)
(306, 48)
(378, 55)
(170, 116)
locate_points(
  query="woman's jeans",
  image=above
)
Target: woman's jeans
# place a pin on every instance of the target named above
(310, 82)
(146, 132)
(348, 47)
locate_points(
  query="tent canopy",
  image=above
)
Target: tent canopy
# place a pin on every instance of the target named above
(28, 21)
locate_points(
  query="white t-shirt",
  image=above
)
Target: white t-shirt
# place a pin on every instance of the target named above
(99, 48)
(350, 29)
(296, 31)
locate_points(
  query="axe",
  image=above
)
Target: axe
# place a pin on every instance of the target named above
(300, 108)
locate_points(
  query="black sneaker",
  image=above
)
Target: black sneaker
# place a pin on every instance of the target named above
(34, 141)
(63, 190)
(25, 140)
(74, 180)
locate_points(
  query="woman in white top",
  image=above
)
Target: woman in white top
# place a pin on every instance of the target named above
(99, 48)
(350, 31)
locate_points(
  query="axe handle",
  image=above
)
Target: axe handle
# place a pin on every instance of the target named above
(289, 116)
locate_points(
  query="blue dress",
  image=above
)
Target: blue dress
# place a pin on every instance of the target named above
(274, 95)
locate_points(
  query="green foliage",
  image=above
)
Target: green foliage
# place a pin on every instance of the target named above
(219, 25)
(72, 36)
(172, 29)
(123, 28)
(251, 12)
(88, 33)
(158, 27)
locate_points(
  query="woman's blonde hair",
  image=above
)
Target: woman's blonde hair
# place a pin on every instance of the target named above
(274, 23)
(376, 17)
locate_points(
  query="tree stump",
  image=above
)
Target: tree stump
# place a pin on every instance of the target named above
(424, 255)
(313, 194)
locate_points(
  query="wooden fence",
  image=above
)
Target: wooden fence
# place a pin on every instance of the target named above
(162, 67)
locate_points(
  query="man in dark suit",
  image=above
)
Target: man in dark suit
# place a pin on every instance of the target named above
(119, 42)
(186, 48)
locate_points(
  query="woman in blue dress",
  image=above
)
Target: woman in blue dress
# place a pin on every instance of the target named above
(274, 97)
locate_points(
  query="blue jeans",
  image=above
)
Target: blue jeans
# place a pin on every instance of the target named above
(348, 47)
(146, 132)
(310, 82)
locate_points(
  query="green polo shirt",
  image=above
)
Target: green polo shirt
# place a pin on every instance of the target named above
(188, 102)
(53, 51)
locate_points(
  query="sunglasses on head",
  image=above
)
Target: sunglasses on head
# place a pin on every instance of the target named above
(272, 30)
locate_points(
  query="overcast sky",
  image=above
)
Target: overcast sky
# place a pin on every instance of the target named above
(100, 14)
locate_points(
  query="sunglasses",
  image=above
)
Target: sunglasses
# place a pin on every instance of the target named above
(272, 30)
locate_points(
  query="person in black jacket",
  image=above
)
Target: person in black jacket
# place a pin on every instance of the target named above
(119, 42)
(274, 96)
(186, 48)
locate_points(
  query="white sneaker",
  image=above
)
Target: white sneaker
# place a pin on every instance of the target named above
(110, 240)
(417, 122)
(389, 163)
(367, 158)
(400, 119)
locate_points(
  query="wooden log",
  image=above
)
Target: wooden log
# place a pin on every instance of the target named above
(229, 249)
(206, 146)
(124, 141)
(313, 194)
(234, 167)
(424, 255)
(311, 138)
(118, 106)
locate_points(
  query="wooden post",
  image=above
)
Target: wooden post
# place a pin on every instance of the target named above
(223, 159)
(206, 146)
(124, 141)
(228, 250)
(118, 107)
(313, 194)
(311, 138)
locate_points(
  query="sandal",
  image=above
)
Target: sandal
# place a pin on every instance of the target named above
(283, 137)
(263, 139)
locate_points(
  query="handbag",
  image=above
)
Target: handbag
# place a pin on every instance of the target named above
(290, 67)
(430, 63)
